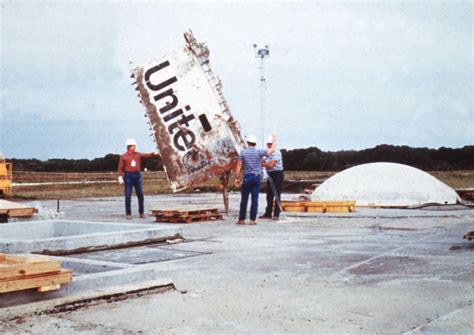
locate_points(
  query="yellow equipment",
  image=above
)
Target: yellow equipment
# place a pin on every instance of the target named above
(5, 177)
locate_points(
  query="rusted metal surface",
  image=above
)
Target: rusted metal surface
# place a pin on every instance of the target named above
(188, 115)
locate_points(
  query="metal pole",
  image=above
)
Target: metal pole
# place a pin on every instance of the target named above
(262, 53)
(262, 102)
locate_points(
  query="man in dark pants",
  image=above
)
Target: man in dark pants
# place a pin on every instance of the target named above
(129, 168)
(251, 159)
(273, 163)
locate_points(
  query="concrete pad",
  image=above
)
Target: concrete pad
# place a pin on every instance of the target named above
(139, 255)
(386, 272)
(68, 236)
(460, 321)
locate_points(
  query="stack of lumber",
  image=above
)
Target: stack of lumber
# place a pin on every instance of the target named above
(13, 209)
(319, 206)
(186, 215)
(25, 272)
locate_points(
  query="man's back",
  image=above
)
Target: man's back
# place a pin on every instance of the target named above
(252, 160)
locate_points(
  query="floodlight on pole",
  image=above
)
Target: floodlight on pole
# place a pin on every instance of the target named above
(262, 53)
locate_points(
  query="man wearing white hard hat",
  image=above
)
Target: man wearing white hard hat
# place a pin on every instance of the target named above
(129, 168)
(273, 163)
(251, 160)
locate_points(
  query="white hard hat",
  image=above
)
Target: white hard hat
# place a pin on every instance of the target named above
(131, 141)
(269, 139)
(252, 139)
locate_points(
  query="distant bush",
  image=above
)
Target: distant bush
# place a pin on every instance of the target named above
(308, 159)
(313, 159)
(108, 163)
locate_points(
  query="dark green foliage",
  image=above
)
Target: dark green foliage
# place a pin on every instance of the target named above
(313, 159)
(108, 163)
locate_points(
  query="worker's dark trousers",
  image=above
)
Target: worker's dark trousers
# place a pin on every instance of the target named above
(250, 185)
(277, 177)
(133, 179)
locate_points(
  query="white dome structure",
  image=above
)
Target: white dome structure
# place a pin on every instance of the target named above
(385, 184)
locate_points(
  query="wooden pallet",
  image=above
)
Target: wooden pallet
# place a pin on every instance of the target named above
(13, 209)
(186, 215)
(23, 272)
(319, 206)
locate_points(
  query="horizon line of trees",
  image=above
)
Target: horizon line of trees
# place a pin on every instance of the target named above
(308, 159)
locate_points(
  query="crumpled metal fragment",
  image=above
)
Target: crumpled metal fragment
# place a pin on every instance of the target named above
(189, 118)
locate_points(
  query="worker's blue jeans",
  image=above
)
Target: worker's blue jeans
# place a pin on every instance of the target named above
(250, 185)
(133, 179)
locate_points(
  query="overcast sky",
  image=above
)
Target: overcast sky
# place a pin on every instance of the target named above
(341, 75)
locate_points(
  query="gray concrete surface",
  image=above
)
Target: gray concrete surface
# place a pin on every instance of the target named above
(371, 272)
(61, 236)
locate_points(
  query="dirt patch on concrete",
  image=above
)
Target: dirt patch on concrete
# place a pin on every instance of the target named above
(390, 265)
(462, 247)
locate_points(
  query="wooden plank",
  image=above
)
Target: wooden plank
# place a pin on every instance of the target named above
(184, 211)
(294, 209)
(49, 288)
(294, 203)
(13, 209)
(23, 259)
(319, 206)
(21, 212)
(36, 281)
(189, 218)
(26, 269)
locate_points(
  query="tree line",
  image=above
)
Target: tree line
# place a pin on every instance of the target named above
(108, 163)
(308, 159)
(442, 159)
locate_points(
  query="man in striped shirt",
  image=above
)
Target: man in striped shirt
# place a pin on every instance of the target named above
(274, 165)
(251, 159)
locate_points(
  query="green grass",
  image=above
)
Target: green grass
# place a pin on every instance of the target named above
(156, 183)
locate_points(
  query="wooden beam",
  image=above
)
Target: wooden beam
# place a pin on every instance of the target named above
(36, 281)
(26, 269)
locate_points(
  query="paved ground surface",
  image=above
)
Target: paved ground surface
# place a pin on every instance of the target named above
(371, 272)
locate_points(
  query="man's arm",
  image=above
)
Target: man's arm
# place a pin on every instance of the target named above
(150, 154)
(121, 166)
(271, 164)
(238, 168)
(273, 147)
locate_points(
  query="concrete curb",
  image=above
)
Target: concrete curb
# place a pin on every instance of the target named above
(86, 298)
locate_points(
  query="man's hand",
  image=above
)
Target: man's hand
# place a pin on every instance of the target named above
(120, 180)
(273, 147)
(237, 182)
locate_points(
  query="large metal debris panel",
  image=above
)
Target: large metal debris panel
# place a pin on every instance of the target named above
(189, 117)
